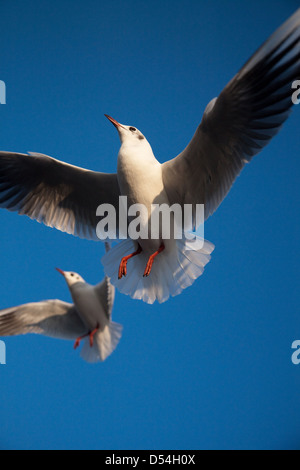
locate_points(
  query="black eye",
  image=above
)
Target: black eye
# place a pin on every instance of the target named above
(72, 274)
(132, 129)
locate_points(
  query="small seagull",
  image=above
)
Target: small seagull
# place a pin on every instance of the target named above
(88, 319)
(235, 126)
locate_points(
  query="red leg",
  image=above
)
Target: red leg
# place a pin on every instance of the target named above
(151, 260)
(123, 264)
(78, 340)
(92, 334)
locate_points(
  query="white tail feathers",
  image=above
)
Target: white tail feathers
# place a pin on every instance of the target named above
(105, 342)
(173, 269)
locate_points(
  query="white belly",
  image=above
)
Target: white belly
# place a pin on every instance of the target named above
(141, 181)
(89, 307)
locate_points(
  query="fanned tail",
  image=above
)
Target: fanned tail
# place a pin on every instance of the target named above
(105, 342)
(173, 270)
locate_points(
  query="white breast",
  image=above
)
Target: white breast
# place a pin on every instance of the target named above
(140, 179)
(89, 306)
(140, 175)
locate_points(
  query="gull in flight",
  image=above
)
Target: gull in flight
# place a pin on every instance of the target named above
(88, 319)
(235, 126)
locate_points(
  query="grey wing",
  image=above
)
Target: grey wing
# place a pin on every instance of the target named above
(106, 293)
(52, 318)
(239, 123)
(55, 193)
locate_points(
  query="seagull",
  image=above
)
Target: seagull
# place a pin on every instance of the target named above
(235, 126)
(88, 319)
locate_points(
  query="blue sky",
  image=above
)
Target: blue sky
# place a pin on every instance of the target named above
(208, 369)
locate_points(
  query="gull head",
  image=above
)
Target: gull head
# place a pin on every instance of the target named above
(70, 277)
(128, 134)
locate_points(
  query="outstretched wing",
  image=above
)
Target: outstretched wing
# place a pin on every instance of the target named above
(106, 293)
(239, 123)
(52, 318)
(55, 193)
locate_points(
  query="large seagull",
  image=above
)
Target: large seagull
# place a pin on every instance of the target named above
(235, 126)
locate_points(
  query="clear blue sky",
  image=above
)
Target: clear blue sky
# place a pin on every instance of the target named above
(208, 369)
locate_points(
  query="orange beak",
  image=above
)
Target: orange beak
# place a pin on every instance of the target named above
(113, 121)
(60, 271)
